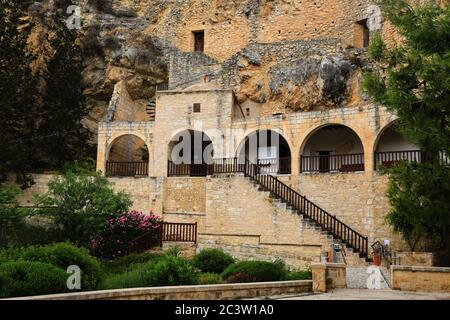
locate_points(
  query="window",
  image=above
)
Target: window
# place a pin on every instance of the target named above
(247, 112)
(199, 41)
(362, 34)
(197, 107)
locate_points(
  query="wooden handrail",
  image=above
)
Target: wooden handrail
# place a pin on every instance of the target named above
(330, 223)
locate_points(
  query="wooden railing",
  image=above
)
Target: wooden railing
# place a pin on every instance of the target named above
(329, 223)
(228, 165)
(126, 168)
(167, 231)
(188, 170)
(391, 158)
(276, 166)
(179, 232)
(146, 242)
(332, 163)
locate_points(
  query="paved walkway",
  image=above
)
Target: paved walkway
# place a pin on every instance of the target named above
(366, 294)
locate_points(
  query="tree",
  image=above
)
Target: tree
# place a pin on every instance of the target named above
(80, 205)
(412, 80)
(11, 216)
(40, 112)
(17, 89)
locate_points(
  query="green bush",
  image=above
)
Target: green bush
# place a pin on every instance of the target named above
(166, 271)
(212, 261)
(172, 271)
(255, 271)
(24, 278)
(300, 275)
(129, 262)
(61, 255)
(209, 278)
(134, 277)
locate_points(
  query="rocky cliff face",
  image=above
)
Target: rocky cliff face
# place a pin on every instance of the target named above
(279, 55)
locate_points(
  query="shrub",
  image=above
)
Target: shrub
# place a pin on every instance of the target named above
(134, 277)
(300, 275)
(172, 271)
(129, 262)
(255, 271)
(212, 261)
(120, 232)
(167, 271)
(209, 278)
(25, 278)
(11, 217)
(60, 255)
(80, 204)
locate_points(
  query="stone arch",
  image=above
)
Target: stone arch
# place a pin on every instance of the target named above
(127, 154)
(267, 147)
(332, 147)
(114, 138)
(190, 152)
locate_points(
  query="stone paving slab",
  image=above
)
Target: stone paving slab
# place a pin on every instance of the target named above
(366, 294)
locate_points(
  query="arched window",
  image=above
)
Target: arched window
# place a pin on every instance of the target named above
(333, 148)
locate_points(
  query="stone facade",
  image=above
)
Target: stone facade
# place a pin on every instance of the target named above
(291, 67)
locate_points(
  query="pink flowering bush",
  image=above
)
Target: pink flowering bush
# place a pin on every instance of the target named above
(122, 231)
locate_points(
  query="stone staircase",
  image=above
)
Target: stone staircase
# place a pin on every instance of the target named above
(311, 229)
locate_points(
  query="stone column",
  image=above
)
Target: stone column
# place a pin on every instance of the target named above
(319, 277)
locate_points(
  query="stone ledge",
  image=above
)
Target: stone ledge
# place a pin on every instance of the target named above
(183, 213)
(208, 292)
(420, 268)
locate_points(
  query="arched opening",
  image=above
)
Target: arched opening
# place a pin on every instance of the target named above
(392, 147)
(191, 153)
(269, 150)
(333, 148)
(128, 156)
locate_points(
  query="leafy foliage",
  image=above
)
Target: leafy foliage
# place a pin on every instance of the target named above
(41, 107)
(166, 271)
(255, 271)
(11, 217)
(209, 278)
(212, 261)
(25, 278)
(80, 205)
(61, 255)
(121, 231)
(412, 80)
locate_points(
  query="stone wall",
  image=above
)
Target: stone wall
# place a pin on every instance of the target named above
(144, 192)
(207, 292)
(416, 278)
(184, 195)
(357, 199)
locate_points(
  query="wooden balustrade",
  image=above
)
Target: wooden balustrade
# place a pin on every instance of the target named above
(275, 166)
(126, 168)
(309, 210)
(332, 163)
(391, 158)
(179, 232)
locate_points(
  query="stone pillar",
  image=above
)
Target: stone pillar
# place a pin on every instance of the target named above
(336, 276)
(101, 151)
(295, 163)
(319, 277)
